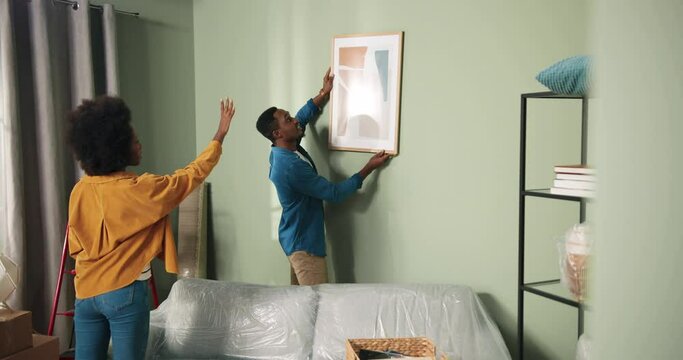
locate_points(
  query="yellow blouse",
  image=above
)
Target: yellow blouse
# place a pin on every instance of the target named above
(119, 222)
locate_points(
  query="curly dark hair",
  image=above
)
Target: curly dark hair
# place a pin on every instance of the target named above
(101, 136)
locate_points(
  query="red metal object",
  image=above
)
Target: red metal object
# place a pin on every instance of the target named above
(153, 287)
(58, 290)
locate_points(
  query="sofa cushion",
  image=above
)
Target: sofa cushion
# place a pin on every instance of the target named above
(210, 319)
(452, 316)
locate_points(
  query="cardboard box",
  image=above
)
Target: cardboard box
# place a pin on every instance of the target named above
(44, 348)
(15, 331)
(414, 348)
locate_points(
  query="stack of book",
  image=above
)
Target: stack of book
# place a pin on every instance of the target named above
(574, 180)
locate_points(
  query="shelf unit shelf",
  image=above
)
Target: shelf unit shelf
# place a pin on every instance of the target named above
(553, 290)
(550, 95)
(545, 193)
(548, 289)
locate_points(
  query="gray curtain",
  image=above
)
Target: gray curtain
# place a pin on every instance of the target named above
(110, 53)
(52, 57)
(11, 143)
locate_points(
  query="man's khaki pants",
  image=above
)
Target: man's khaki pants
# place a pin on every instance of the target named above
(307, 269)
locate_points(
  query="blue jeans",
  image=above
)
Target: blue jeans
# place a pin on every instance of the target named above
(122, 314)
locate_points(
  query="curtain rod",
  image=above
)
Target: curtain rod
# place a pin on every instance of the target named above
(75, 6)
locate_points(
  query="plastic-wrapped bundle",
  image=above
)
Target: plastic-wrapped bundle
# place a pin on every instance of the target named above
(192, 214)
(205, 319)
(584, 348)
(574, 250)
(452, 316)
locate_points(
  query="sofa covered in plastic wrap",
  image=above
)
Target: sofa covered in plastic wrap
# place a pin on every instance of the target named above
(205, 319)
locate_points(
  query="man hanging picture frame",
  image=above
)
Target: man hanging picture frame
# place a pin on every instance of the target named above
(366, 100)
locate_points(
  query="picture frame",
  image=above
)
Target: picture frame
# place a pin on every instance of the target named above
(366, 99)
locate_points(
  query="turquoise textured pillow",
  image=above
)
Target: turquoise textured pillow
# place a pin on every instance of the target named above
(568, 76)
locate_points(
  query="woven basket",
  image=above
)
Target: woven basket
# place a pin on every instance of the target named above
(417, 347)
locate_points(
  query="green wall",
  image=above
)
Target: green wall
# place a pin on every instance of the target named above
(638, 292)
(445, 210)
(156, 73)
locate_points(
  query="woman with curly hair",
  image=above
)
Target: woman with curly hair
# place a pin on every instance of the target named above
(118, 222)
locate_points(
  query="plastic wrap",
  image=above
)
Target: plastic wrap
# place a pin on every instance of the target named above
(583, 348)
(451, 316)
(574, 253)
(192, 214)
(205, 319)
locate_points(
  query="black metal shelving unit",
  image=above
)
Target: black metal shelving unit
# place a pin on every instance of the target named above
(549, 289)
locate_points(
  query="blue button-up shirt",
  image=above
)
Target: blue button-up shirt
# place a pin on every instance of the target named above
(301, 192)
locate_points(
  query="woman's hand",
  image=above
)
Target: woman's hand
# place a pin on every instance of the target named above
(227, 112)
